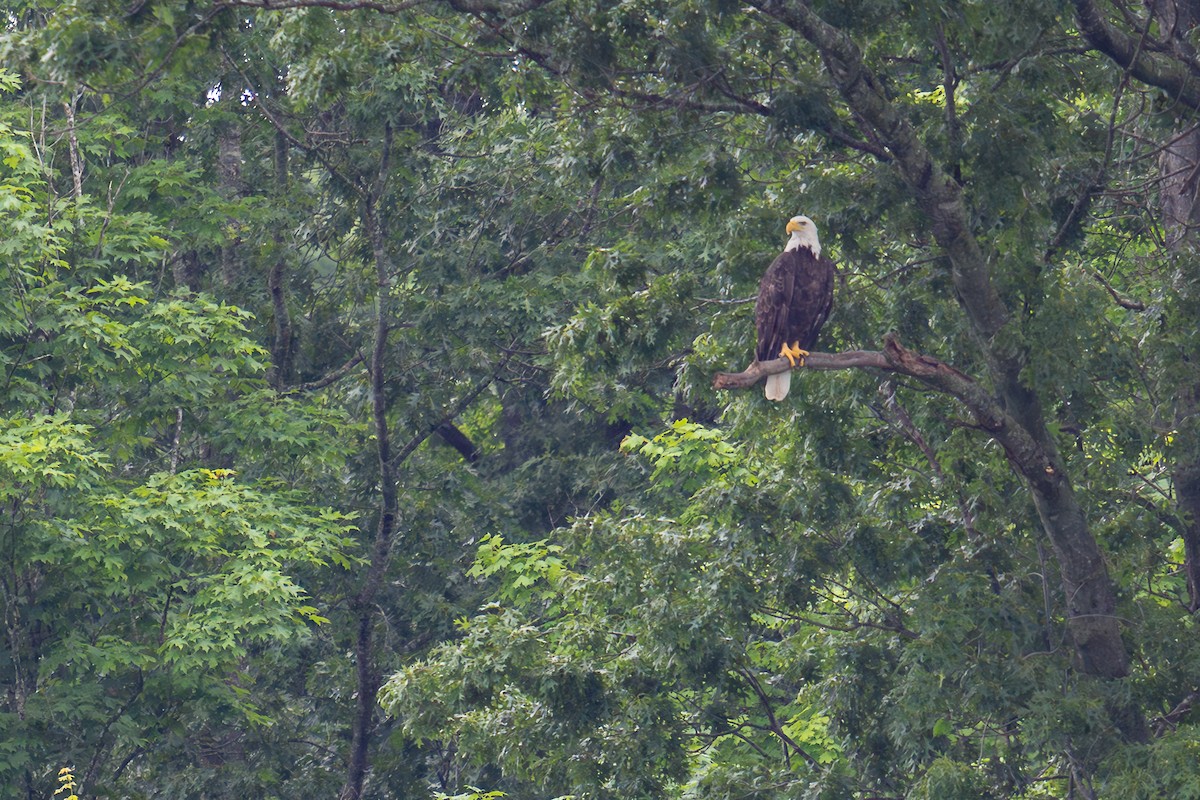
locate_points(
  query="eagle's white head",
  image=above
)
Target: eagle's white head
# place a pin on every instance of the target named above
(804, 234)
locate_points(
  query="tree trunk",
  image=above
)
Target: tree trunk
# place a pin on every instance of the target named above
(1179, 173)
(282, 349)
(229, 182)
(1179, 165)
(1090, 594)
(363, 603)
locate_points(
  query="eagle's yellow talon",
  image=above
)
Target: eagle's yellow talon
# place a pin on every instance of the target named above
(794, 354)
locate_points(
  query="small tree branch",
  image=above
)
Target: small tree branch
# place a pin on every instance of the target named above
(336, 5)
(1132, 305)
(899, 416)
(774, 725)
(452, 413)
(1168, 721)
(327, 379)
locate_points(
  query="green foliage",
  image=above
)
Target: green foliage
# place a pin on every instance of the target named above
(215, 553)
(46, 452)
(521, 568)
(691, 456)
(950, 780)
(472, 793)
(127, 583)
(209, 258)
(1164, 769)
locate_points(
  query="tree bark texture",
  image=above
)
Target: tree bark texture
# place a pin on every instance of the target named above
(229, 180)
(363, 602)
(1179, 177)
(282, 349)
(1152, 65)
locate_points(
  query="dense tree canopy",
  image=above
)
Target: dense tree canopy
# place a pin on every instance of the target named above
(369, 426)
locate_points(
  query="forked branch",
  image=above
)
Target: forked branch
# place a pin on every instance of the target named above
(1023, 450)
(893, 358)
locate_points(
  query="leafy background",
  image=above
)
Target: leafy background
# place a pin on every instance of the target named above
(357, 436)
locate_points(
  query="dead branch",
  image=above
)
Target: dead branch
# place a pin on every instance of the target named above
(1026, 453)
(853, 359)
(893, 358)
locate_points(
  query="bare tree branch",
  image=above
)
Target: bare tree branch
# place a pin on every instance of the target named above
(327, 379)
(1025, 452)
(1132, 305)
(1168, 721)
(853, 359)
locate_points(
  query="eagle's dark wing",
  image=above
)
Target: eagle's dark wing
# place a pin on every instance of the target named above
(774, 305)
(794, 300)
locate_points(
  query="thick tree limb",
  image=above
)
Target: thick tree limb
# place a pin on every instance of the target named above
(988, 413)
(1091, 604)
(1152, 66)
(362, 603)
(452, 435)
(854, 359)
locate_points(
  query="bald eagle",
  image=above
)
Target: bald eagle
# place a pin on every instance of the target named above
(794, 300)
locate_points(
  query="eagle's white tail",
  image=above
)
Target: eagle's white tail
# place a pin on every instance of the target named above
(777, 385)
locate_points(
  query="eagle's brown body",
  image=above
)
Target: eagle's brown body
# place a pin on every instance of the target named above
(794, 300)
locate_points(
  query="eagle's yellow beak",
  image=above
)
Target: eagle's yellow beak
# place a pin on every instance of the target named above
(793, 226)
